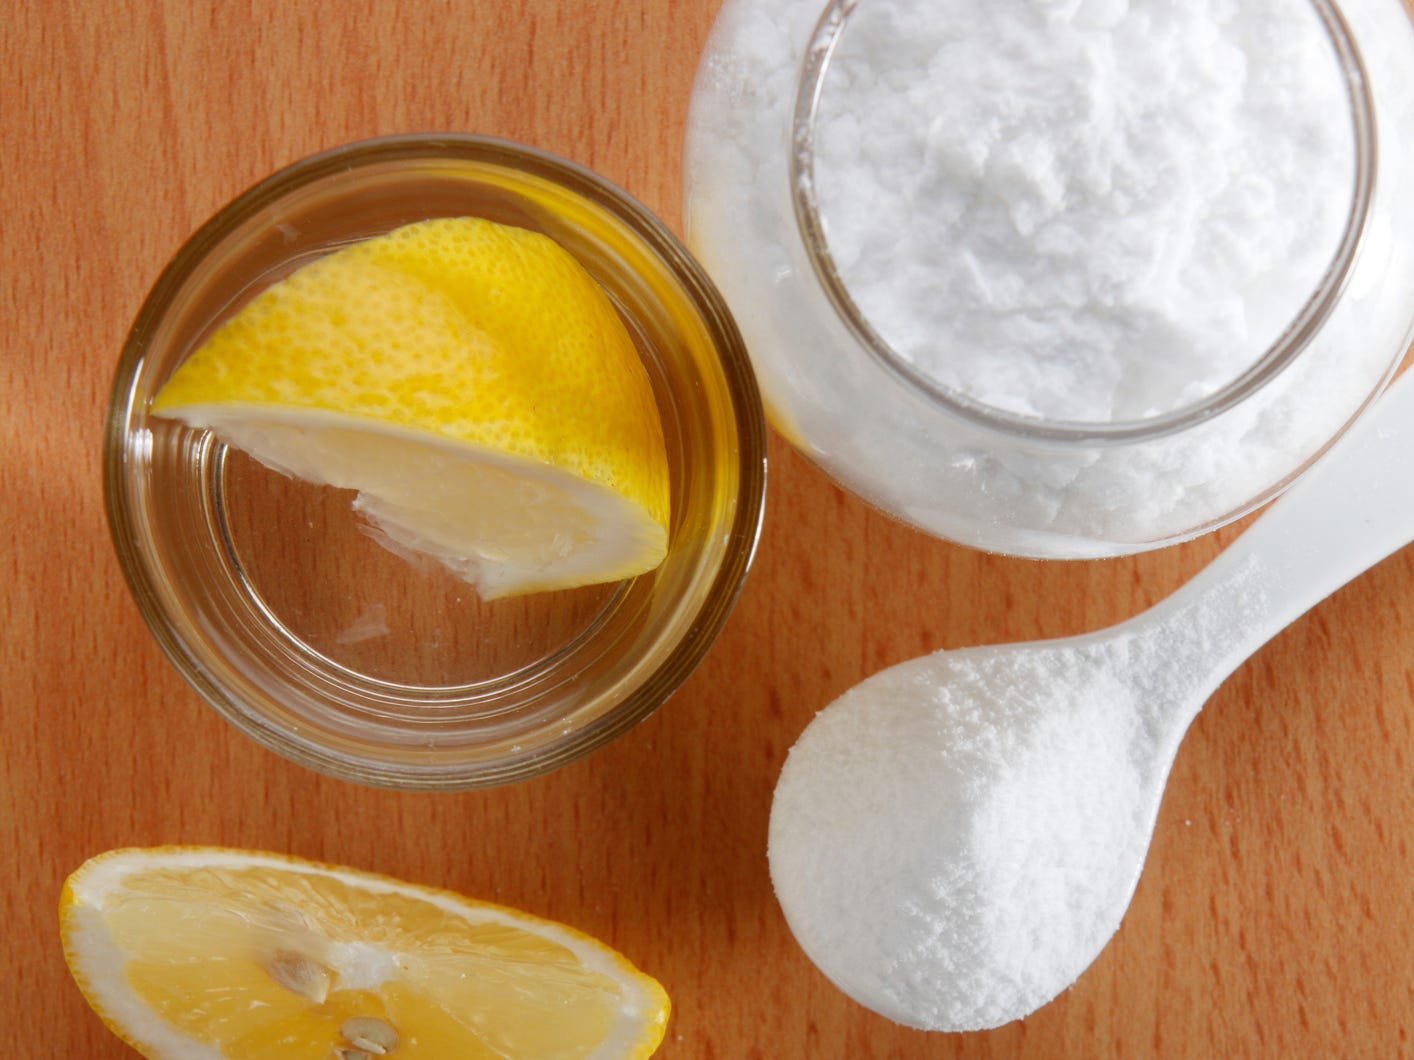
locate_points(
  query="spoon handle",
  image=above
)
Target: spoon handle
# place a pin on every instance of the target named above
(1351, 509)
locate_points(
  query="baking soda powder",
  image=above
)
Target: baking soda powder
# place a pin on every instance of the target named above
(939, 834)
(1083, 210)
(1076, 211)
(954, 840)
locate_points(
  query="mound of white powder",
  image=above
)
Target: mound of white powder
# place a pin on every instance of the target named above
(956, 839)
(1089, 210)
(950, 840)
(1076, 209)
(1083, 210)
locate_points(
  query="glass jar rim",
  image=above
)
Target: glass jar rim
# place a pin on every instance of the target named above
(819, 52)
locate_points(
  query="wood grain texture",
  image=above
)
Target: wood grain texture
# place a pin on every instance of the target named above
(1275, 918)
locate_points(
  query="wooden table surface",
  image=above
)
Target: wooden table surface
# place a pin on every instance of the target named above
(1275, 918)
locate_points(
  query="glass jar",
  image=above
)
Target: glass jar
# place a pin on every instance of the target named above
(324, 646)
(985, 467)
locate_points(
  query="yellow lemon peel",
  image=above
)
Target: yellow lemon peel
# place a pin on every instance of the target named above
(201, 952)
(471, 381)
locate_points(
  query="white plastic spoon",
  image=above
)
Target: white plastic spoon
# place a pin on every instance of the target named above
(955, 839)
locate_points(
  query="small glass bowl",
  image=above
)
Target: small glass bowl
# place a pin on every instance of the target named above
(319, 643)
(973, 470)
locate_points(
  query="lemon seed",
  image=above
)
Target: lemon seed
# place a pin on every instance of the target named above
(299, 973)
(370, 1034)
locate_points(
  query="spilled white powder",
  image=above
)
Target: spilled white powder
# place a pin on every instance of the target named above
(1083, 209)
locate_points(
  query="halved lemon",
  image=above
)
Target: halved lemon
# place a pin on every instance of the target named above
(206, 952)
(471, 381)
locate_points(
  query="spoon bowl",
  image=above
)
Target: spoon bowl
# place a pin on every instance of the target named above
(955, 839)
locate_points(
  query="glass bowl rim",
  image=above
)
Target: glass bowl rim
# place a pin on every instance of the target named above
(748, 420)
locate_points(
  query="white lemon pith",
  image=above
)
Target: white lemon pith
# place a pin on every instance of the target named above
(471, 381)
(203, 952)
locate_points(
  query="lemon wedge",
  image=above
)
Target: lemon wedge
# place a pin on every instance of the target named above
(204, 952)
(475, 386)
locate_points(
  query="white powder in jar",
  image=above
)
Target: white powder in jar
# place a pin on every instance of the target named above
(1087, 210)
(1261, 79)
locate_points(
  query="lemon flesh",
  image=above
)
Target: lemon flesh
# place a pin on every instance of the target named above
(474, 385)
(204, 952)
